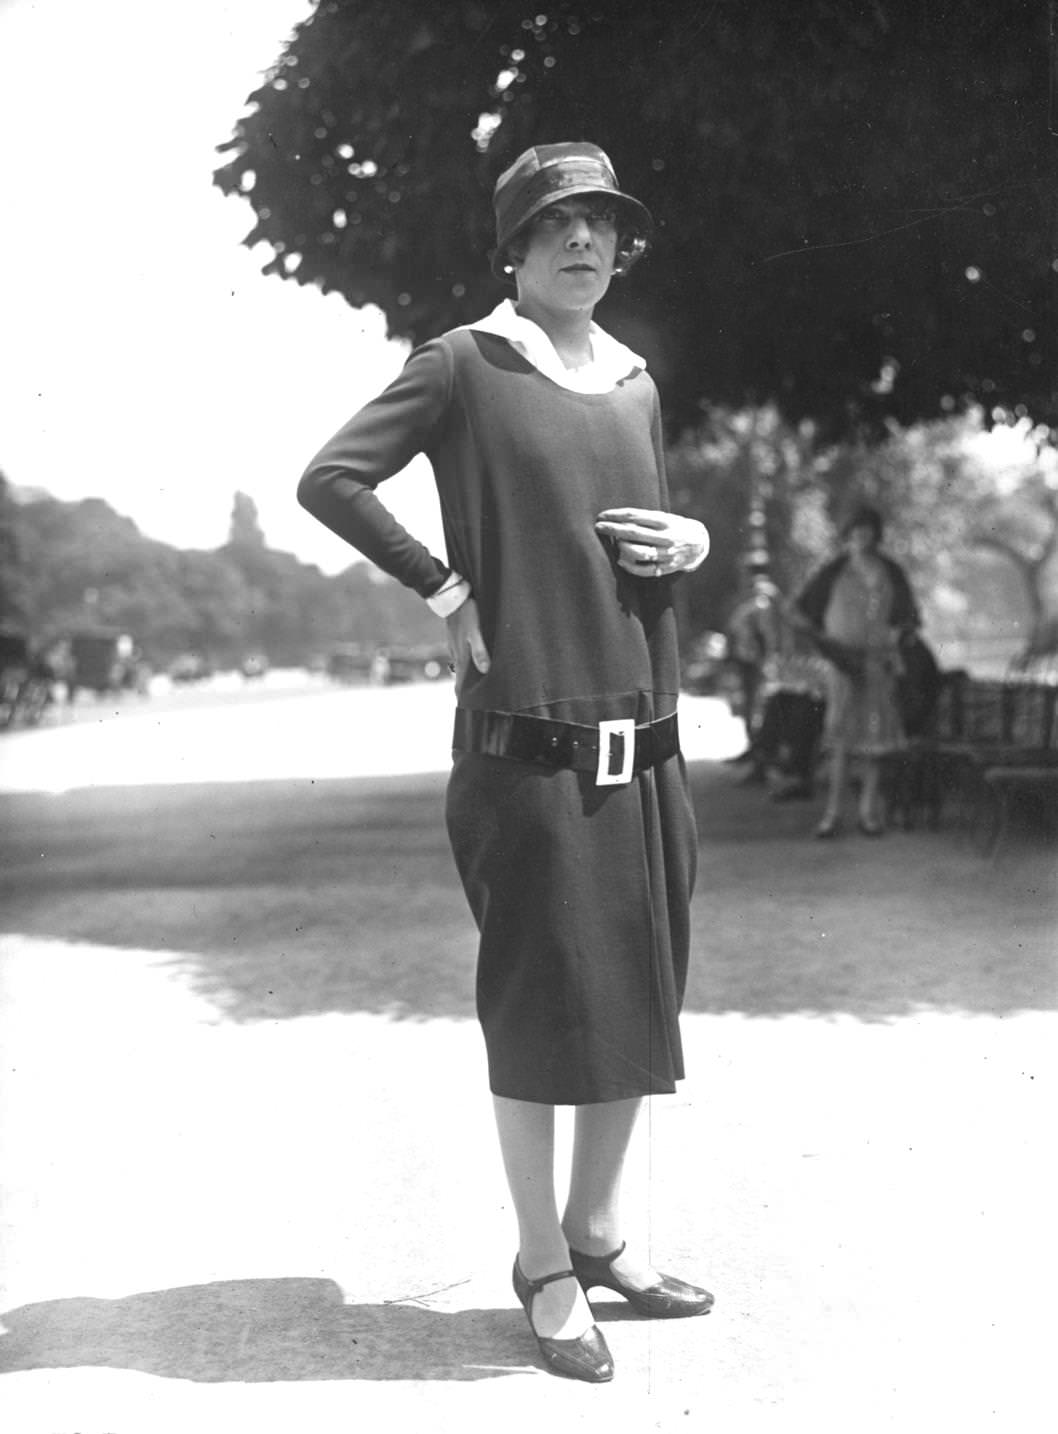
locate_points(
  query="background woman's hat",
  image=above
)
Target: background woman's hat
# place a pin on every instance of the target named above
(550, 172)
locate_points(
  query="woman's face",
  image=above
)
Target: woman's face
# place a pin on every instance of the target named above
(569, 255)
(862, 538)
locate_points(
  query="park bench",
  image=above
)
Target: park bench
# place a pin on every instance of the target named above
(990, 743)
(1020, 776)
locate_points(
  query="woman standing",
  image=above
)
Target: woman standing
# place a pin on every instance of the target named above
(567, 807)
(859, 606)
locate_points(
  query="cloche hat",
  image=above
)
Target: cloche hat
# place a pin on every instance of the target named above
(863, 515)
(549, 172)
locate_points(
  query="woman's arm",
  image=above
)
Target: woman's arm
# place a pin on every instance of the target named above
(905, 616)
(381, 439)
(810, 604)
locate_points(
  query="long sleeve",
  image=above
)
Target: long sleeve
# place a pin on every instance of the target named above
(905, 614)
(657, 439)
(811, 602)
(381, 439)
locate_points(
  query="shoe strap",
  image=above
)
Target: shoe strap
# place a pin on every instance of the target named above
(602, 1259)
(535, 1286)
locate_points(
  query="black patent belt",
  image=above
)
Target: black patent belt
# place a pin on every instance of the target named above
(614, 751)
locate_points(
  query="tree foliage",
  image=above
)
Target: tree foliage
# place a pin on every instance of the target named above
(734, 465)
(953, 491)
(12, 575)
(854, 198)
(244, 532)
(84, 565)
(971, 511)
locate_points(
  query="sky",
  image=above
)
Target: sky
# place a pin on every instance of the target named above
(144, 358)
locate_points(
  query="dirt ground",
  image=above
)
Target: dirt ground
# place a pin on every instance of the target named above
(298, 897)
(249, 1179)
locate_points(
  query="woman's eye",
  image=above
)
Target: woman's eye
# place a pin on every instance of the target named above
(594, 218)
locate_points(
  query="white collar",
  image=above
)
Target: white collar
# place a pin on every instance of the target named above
(610, 361)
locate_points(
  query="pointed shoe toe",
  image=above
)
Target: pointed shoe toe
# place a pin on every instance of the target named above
(668, 1299)
(587, 1358)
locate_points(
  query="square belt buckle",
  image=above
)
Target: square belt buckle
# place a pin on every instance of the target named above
(624, 729)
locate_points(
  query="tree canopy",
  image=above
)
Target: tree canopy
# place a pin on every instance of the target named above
(82, 565)
(972, 513)
(855, 198)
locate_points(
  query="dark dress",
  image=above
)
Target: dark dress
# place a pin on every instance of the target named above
(581, 893)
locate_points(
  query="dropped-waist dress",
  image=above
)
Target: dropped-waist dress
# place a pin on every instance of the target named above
(864, 613)
(580, 892)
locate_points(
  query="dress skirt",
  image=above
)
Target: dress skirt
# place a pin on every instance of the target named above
(581, 895)
(863, 712)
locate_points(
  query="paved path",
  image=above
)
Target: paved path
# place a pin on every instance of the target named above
(279, 1224)
(281, 729)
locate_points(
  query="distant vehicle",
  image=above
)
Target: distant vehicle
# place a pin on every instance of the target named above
(104, 660)
(416, 664)
(190, 667)
(350, 662)
(26, 681)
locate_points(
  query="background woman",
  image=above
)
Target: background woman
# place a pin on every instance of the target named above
(859, 606)
(567, 806)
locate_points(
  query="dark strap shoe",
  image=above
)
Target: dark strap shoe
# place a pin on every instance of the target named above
(668, 1299)
(587, 1358)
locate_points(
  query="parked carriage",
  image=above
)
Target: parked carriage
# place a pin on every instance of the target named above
(26, 681)
(103, 660)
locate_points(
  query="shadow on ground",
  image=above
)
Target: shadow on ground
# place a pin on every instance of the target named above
(284, 899)
(259, 1331)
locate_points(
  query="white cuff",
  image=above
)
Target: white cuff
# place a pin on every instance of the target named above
(451, 595)
(703, 546)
